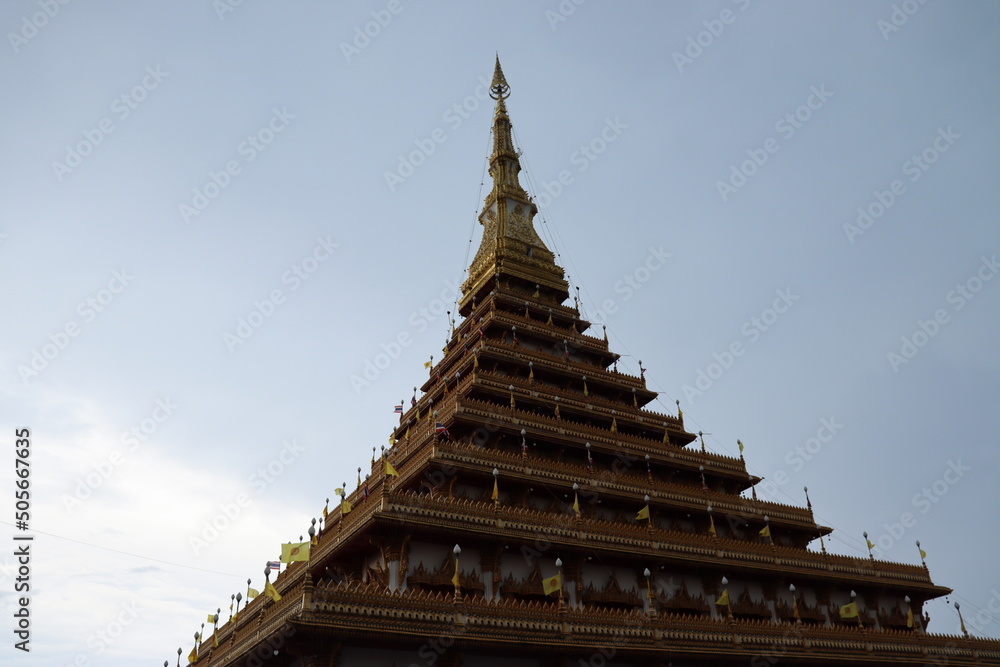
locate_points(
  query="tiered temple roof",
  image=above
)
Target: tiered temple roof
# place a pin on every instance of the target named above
(542, 515)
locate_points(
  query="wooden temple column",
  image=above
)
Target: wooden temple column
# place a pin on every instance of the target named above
(573, 571)
(395, 552)
(770, 599)
(823, 602)
(489, 571)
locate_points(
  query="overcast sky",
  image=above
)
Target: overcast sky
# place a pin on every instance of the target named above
(217, 217)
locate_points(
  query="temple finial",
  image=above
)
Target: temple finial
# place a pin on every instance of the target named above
(499, 89)
(510, 246)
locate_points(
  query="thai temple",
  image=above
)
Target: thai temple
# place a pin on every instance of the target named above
(529, 511)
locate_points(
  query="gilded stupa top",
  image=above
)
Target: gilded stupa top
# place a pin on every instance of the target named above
(510, 246)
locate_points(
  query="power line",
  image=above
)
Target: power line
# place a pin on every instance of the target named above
(127, 553)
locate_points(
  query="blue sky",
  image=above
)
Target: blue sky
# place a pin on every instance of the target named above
(218, 216)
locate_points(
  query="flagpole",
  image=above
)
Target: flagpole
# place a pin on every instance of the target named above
(457, 578)
(559, 567)
(576, 501)
(961, 620)
(496, 490)
(649, 591)
(729, 603)
(795, 605)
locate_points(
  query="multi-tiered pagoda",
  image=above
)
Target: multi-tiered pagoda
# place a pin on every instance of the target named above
(532, 512)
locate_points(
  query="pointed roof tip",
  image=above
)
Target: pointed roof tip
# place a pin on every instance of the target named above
(499, 88)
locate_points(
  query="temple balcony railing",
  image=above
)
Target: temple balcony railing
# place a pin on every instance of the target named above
(262, 621)
(616, 442)
(518, 353)
(368, 612)
(515, 298)
(524, 525)
(576, 400)
(543, 330)
(627, 484)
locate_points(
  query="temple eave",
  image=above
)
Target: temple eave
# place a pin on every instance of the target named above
(336, 617)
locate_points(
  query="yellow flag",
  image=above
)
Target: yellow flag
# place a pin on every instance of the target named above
(211, 618)
(271, 591)
(215, 640)
(711, 525)
(454, 578)
(614, 424)
(643, 513)
(427, 364)
(909, 618)
(576, 504)
(236, 617)
(923, 554)
(193, 655)
(496, 491)
(552, 584)
(849, 610)
(326, 510)
(723, 599)
(345, 506)
(252, 593)
(389, 470)
(392, 439)
(765, 531)
(795, 608)
(294, 551)
(740, 444)
(871, 545)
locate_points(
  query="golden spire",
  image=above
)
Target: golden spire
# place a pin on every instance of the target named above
(499, 88)
(510, 244)
(504, 162)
